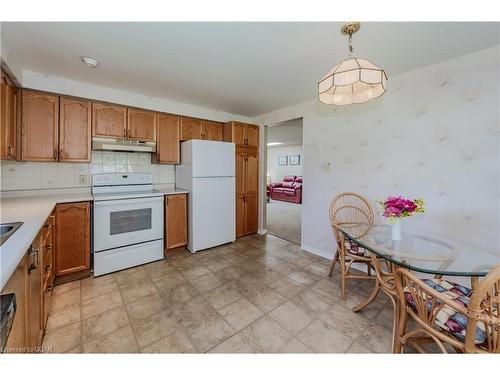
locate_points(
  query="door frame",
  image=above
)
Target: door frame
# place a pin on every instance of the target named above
(263, 183)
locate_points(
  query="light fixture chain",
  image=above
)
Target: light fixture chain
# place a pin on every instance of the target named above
(351, 50)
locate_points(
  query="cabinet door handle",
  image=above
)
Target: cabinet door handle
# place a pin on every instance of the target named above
(125, 133)
(50, 287)
(9, 150)
(129, 133)
(60, 153)
(48, 267)
(55, 154)
(34, 265)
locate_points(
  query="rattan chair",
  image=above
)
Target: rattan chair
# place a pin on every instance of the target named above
(385, 275)
(353, 214)
(447, 312)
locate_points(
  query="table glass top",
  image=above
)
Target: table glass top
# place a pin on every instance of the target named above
(428, 254)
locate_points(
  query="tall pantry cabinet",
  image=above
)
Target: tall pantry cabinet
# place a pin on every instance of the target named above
(246, 138)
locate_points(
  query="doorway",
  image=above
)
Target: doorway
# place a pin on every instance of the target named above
(284, 183)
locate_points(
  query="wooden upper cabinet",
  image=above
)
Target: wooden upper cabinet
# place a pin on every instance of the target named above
(238, 133)
(8, 118)
(141, 125)
(252, 135)
(190, 128)
(168, 142)
(243, 135)
(240, 170)
(252, 172)
(211, 130)
(247, 171)
(40, 126)
(175, 220)
(75, 130)
(109, 121)
(234, 132)
(72, 238)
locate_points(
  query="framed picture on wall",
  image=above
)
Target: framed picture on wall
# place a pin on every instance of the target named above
(282, 160)
(294, 159)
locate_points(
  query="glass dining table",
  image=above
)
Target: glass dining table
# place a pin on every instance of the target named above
(421, 253)
(427, 254)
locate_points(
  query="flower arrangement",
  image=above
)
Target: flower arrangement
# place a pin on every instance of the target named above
(398, 207)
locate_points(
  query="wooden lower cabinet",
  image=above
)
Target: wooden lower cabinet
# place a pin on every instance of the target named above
(251, 214)
(246, 214)
(72, 240)
(247, 189)
(240, 215)
(175, 221)
(47, 249)
(35, 316)
(32, 285)
(19, 285)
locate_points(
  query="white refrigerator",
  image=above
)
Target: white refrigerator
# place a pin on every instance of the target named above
(207, 171)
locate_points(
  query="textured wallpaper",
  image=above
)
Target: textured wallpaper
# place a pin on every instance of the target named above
(435, 134)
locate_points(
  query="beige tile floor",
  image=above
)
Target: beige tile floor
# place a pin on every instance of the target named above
(258, 295)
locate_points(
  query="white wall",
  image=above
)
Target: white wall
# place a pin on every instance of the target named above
(435, 134)
(23, 176)
(29, 175)
(9, 61)
(65, 86)
(277, 172)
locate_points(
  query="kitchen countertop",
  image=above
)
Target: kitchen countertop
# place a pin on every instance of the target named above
(32, 211)
(172, 191)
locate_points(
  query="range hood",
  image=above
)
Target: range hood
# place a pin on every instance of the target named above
(110, 144)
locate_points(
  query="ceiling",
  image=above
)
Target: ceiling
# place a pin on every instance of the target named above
(243, 68)
(287, 133)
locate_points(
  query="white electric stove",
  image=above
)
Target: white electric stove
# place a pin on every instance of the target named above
(128, 221)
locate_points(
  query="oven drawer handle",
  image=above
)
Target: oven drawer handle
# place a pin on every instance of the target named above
(118, 202)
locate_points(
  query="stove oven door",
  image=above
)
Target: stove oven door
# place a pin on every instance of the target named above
(123, 222)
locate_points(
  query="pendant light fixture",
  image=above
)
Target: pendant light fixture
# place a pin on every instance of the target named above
(354, 80)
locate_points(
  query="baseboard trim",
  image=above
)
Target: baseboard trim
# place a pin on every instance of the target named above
(329, 256)
(321, 253)
(262, 231)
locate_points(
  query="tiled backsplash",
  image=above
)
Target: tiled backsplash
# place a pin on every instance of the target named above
(28, 175)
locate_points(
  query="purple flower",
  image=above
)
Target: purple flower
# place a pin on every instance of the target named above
(395, 207)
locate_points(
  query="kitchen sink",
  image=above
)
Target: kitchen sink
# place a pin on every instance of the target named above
(7, 230)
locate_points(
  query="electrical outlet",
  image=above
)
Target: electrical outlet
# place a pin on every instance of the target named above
(83, 180)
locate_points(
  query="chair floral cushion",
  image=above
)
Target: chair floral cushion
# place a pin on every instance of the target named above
(447, 318)
(354, 249)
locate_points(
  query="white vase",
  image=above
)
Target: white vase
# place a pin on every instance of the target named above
(396, 230)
